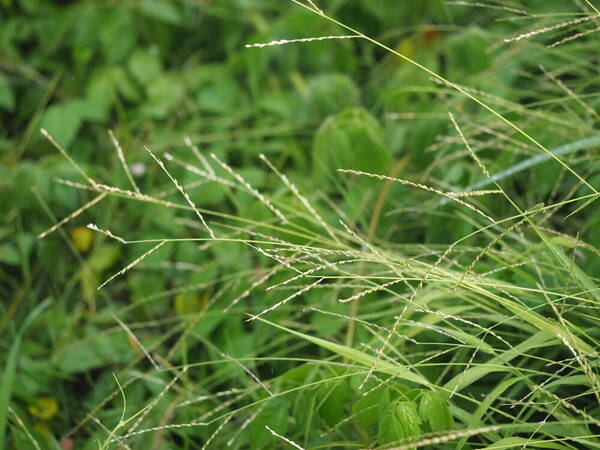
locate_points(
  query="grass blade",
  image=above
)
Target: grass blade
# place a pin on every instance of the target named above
(8, 377)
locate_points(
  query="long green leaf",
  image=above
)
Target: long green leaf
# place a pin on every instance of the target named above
(359, 357)
(8, 377)
(571, 147)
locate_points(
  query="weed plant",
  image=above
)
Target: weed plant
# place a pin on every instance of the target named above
(431, 284)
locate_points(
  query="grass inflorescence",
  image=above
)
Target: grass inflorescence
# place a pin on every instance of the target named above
(419, 271)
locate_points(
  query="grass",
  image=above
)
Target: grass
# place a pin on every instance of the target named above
(400, 253)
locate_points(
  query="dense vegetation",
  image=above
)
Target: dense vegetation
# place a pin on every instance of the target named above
(386, 240)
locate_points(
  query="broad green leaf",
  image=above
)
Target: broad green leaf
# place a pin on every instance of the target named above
(435, 412)
(371, 407)
(274, 415)
(334, 401)
(351, 140)
(221, 97)
(400, 423)
(162, 10)
(63, 121)
(145, 65)
(298, 375)
(104, 257)
(204, 326)
(165, 93)
(94, 351)
(100, 96)
(124, 84)
(9, 254)
(116, 37)
(468, 51)
(332, 93)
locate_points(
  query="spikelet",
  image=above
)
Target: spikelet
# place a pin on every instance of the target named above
(293, 41)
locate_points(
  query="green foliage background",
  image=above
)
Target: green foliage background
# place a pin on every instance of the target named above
(155, 71)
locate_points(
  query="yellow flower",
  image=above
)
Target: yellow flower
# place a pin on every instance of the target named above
(189, 303)
(82, 238)
(44, 408)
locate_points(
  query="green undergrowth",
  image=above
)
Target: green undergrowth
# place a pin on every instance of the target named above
(386, 238)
